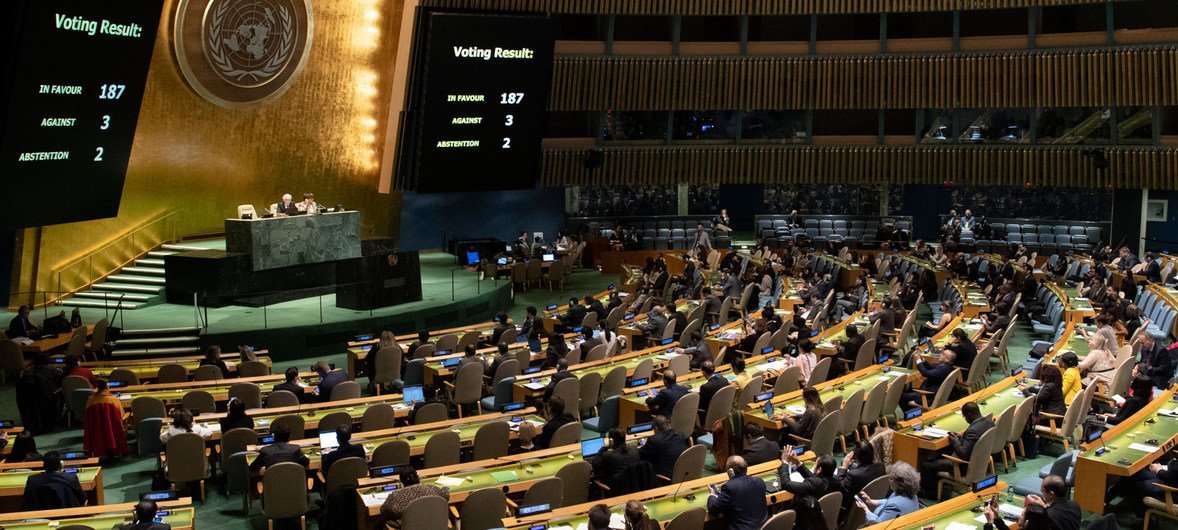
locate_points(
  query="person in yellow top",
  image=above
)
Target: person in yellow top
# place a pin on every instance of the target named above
(1071, 376)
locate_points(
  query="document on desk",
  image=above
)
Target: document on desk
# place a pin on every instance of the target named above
(1143, 447)
(960, 526)
(450, 482)
(932, 432)
(534, 386)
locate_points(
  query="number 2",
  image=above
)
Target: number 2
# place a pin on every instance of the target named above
(105, 122)
(98, 157)
(507, 143)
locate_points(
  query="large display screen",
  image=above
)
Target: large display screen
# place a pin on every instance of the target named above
(482, 102)
(74, 72)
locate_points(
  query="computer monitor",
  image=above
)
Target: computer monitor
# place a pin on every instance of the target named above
(592, 446)
(549, 258)
(472, 257)
(411, 394)
(328, 441)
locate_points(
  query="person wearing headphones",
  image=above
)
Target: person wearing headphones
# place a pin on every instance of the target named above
(741, 500)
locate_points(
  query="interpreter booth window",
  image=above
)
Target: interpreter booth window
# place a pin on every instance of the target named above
(938, 127)
(709, 29)
(1073, 19)
(773, 126)
(1075, 126)
(703, 199)
(863, 123)
(639, 126)
(848, 27)
(1135, 126)
(920, 25)
(704, 126)
(991, 126)
(1145, 15)
(575, 124)
(642, 28)
(582, 28)
(779, 28)
(993, 22)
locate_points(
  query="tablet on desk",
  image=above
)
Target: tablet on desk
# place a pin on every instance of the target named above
(412, 394)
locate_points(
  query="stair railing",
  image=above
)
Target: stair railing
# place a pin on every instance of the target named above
(116, 254)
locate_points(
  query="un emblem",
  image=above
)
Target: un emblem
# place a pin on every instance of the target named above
(236, 53)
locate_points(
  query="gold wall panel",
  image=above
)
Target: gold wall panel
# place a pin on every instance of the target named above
(1144, 76)
(742, 7)
(324, 136)
(1129, 167)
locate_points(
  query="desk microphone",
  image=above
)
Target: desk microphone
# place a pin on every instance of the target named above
(674, 496)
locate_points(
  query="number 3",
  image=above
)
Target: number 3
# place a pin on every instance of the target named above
(510, 120)
(105, 122)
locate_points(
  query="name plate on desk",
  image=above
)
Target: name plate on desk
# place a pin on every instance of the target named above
(298, 240)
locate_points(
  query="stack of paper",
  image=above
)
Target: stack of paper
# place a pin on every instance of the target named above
(450, 482)
(932, 432)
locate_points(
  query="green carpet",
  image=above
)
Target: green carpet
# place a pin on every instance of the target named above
(126, 479)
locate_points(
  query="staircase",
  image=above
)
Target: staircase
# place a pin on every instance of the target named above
(160, 342)
(138, 285)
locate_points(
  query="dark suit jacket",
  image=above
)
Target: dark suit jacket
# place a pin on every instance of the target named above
(887, 320)
(498, 332)
(330, 381)
(664, 402)
(289, 210)
(340, 453)
(708, 390)
(742, 502)
(1049, 399)
(20, 327)
(934, 375)
(293, 388)
(852, 345)
(966, 352)
(762, 450)
(662, 450)
(52, 491)
(277, 453)
(1064, 515)
(219, 364)
(680, 323)
(853, 480)
(556, 378)
(542, 440)
(811, 484)
(602, 313)
(964, 443)
(609, 463)
(575, 315)
(145, 526)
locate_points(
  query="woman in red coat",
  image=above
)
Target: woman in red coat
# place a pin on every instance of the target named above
(103, 432)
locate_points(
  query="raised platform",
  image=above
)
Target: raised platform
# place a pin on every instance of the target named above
(315, 326)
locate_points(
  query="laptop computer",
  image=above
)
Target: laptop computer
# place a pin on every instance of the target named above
(411, 394)
(592, 446)
(549, 258)
(328, 441)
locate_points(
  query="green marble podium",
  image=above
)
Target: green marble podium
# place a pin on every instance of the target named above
(297, 240)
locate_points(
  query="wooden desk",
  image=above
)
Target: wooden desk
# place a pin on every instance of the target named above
(52, 343)
(662, 504)
(1127, 450)
(907, 442)
(181, 516)
(844, 386)
(415, 435)
(12, 487)
(958, 509)
(513, 474)
(172, 393)
(312, 413)
(148, 369)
